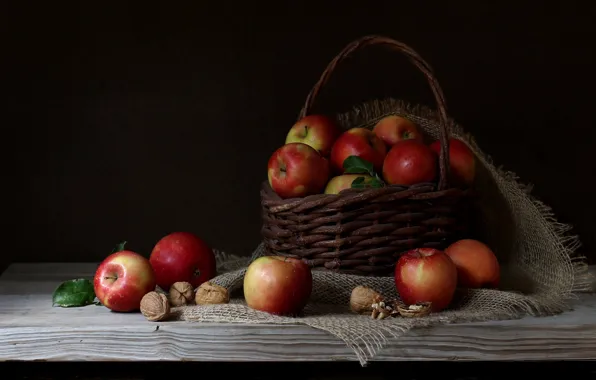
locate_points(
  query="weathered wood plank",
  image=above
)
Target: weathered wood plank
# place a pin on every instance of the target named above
(30, 329)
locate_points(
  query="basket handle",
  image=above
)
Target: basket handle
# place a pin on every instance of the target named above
(419, 63)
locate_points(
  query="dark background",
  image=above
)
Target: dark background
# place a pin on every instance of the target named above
(129, 122)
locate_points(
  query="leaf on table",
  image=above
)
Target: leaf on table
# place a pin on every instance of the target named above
(73, 293)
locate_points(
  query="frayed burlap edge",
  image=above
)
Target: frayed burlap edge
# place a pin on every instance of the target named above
(579, 280)
(567, 273)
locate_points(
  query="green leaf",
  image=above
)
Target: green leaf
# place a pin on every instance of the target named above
(367, 183)
(74, 293)
(119, 247)
(357, 165)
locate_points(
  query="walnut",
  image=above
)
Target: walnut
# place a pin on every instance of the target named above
(209, 293)
(155, 306)
(417, 310)
(181, 293)
(382, 309)
(363, 298)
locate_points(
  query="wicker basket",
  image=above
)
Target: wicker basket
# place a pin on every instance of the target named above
(364, 231)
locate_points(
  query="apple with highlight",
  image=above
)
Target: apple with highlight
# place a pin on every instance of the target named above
(426, 275)
(297, 170)
(182, 256)
(393, 129)
(359, 142)
(317, 131)
(410, 162)
(122, 279)
(278, 285)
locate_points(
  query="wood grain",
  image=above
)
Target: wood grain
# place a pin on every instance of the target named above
(30, 329)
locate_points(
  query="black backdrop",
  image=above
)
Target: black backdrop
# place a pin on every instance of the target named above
(129, 122)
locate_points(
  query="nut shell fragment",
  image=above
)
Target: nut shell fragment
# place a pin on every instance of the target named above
(211, 294)
(363, 298)
(181, 293)
(155, 306)
(417, 310)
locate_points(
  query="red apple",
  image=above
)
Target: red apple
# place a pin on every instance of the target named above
(122, 279)
(342, 182)
(462, 163)
(182, 256)
(277, 285)
(426, 275)
(409, 162)
(392, 129)
(317, 131)
(359, 142)
(297, 170)
(477, 265)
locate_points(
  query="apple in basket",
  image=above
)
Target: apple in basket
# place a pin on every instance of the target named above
(297, 170)
(477, 265)
(359, 142)
(344, 181)
(182, 256)
(462, 163)
(426, 275)
(122, 279)
(410, 162)
(317, 131)
(392, 129)
(278, 285)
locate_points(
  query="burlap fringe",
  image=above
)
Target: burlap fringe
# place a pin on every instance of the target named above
(371, 112)
(566, 272)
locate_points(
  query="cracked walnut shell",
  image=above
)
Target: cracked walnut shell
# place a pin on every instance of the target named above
(181, 293)
(416, 310)
(155, 306)
(210, 294)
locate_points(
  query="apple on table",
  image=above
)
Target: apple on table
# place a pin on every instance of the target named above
(297, 170)
(477, 265)
(182, 257)
(426, 275)
(317, 131)
(278, 285)
(122, 279)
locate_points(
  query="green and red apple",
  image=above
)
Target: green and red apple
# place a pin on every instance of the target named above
(393, 128)
(316, 131)
(278, 285)
(344, 181)
(297, 170)
(122, 279)
(360, 142)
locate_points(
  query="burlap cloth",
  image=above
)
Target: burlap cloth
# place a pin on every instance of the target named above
(540, 275)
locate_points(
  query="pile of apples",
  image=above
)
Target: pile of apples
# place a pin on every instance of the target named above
(125, 276)
(318, 157)
(283, 285)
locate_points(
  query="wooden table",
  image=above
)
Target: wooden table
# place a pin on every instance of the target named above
(31, 329)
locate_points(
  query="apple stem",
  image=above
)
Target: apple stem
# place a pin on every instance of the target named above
(197, 273)
(305, 130)
(110, 278)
